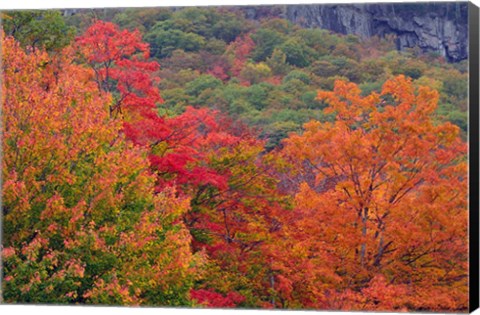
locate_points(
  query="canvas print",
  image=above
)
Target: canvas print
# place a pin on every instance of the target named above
(309, 157)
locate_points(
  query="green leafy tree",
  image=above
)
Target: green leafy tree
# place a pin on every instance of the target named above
(202, 83)
(164, 42)
(278, 62)
(38, 29)
(298, 54)
(265, 42)
(255, 72)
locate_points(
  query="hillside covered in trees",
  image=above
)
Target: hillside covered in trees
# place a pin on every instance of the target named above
(194, 157)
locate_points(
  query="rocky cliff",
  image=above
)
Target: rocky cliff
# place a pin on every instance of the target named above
(440, 27)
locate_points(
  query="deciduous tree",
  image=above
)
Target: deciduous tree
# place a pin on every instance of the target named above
(119, 59)
(388, 204)
(82, 223)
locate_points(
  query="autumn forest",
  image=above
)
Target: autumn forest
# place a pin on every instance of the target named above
(196, 157)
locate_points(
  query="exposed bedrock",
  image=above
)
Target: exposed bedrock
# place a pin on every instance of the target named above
(434, 27)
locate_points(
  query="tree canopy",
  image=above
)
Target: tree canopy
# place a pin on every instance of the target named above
(197, 158)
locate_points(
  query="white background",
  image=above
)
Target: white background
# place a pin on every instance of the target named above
(81, 310)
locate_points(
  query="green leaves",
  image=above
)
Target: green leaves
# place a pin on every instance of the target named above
(112, 196)
(38, 29)
(164, 42)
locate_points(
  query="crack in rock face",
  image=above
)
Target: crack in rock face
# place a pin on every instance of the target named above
(440, 27)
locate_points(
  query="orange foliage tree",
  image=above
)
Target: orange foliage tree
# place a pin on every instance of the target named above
(81, 221)
(383, 203)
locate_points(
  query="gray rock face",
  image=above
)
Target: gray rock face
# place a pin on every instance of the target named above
(440, 27)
